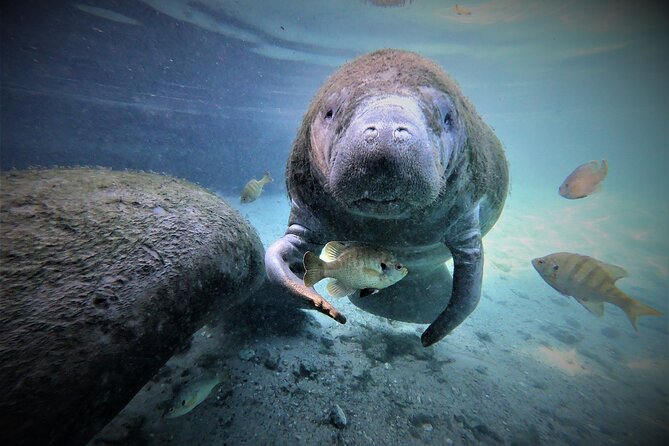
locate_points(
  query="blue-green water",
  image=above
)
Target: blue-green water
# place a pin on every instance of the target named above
(214, 91)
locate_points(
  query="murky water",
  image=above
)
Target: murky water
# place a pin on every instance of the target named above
(214, 91)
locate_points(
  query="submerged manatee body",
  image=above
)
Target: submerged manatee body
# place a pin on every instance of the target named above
(104, 274)
(390, 153)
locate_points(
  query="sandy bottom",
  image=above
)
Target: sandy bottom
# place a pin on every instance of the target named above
(528, 367)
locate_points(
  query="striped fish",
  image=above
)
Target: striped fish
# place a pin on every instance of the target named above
(590, 282)
(253, 188)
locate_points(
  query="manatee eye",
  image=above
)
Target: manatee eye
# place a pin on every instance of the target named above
(183, 402)
(398, 266)
(541, 262)
(448, 119)
(384, 266)
(329, 114)
(555, 267)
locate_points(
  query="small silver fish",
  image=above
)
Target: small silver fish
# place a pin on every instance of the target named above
(586, 179)
(591, 282)
(253, 188)
(354, 267)
(191, 394)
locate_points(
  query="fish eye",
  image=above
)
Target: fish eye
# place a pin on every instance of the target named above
(398, 266)
(384, 266)
(555, 267)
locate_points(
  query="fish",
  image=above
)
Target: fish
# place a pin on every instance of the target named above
(351, 268)
(585, 180)
(591, 282)
(459, 10)
(253, 188)
(191, 394)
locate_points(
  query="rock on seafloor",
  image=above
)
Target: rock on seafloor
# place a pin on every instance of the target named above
(338, 417)
(103, 275)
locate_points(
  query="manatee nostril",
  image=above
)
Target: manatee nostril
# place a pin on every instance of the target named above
(401, 133)
(370, 132)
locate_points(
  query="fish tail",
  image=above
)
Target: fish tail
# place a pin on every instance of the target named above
(633, 309)
(314, 269)
(266, 178)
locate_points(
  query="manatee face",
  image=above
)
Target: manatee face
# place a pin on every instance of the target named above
(383, 155)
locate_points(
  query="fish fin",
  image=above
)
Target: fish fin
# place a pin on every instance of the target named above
(266, 178)
(337, 289)
(616, 272)
(332, 251)
(601, 170)
(372, 272)
(634, 309)
(222, 375)
(584, 169)
(596, 308)
(313, 269)
(592, 165)
(368, 292)
(604, 169)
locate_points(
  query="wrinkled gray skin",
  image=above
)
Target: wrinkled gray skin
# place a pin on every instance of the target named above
(391, 154)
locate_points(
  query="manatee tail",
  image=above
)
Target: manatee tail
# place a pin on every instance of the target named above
(633, 309)
(314, 269)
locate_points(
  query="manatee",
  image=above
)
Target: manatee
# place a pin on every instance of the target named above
(103, 275)
(390, 153)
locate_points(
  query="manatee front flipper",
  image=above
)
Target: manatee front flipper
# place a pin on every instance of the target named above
(283, 259)
(467, 254)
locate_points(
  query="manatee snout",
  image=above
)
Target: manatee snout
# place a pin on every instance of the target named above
(385, 163)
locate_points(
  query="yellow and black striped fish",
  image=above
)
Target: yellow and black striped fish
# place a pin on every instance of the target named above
(253, 188)
(590, 282)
